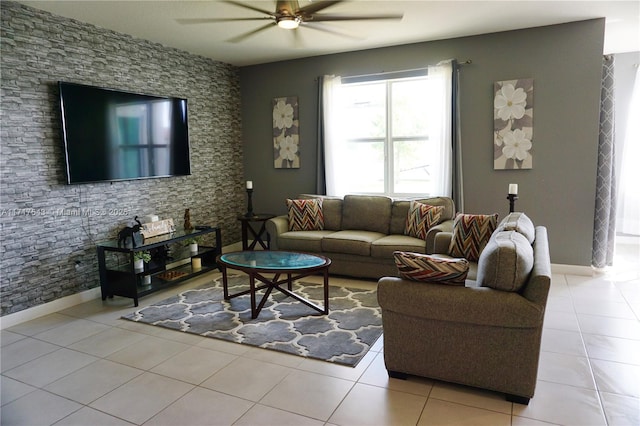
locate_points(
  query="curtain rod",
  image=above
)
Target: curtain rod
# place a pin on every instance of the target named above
(460, 64)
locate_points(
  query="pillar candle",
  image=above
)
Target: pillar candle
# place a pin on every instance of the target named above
(196, 263)
(249, 184)
(513, 188)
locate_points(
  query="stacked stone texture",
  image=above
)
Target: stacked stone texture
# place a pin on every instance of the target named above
(49, 229)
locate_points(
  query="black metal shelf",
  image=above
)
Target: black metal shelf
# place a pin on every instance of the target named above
(124, 280)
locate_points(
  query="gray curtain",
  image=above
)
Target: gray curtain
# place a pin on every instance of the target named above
(456, 153)
(605, 213)
(321, 183)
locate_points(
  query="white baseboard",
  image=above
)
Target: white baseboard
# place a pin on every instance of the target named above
(48, 308)
(66, 302)
(572, 269)
(94, 293)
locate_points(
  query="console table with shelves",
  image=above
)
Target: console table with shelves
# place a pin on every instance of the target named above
(170, 264)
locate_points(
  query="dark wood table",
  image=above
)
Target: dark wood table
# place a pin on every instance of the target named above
(261, 236)
(292, 264)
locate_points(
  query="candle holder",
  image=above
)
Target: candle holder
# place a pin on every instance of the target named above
(512, 201)
(249, 212)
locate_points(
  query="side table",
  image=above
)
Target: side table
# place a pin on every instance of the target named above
(261, 236)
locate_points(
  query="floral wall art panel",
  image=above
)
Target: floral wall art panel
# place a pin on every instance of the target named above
(286, 135)
(513, 124)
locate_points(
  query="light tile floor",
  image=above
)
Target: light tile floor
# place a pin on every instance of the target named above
(85, 366)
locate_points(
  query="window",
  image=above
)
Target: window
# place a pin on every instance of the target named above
(391, 139)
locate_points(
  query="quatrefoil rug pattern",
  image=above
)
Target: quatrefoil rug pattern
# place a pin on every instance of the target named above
(344, 336)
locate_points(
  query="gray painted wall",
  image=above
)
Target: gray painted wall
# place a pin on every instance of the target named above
(42, 233)
(564, 60)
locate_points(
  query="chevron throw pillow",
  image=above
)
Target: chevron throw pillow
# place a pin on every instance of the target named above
(426, 268)
(305, 215)
(420, 218)
(471, 232)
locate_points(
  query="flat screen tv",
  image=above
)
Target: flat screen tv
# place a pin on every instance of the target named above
(111, 135)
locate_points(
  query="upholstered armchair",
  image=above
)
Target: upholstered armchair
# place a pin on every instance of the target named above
(471, 334)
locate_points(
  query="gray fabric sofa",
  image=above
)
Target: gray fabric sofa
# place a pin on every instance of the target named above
(360, 233)
(473, 334)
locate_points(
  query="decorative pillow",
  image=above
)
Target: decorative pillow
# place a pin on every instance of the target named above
(471, 232)
(506, 262)
(305, 215)
(420, 218)
(519, 222)
(423, 267)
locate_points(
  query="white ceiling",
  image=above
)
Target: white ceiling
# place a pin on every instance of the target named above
(423, 21)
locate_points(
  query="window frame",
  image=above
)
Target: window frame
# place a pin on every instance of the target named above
(389, 140)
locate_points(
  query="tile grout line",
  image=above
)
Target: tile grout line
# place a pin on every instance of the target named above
(586, 351)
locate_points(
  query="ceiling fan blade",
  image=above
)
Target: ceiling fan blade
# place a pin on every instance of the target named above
(244, 36)
(248, 6)
(189, 21)
(327, 18)
(324, 29)
(317, 7)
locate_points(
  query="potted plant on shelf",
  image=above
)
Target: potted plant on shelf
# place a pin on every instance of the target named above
(140, 258)
(192, 243)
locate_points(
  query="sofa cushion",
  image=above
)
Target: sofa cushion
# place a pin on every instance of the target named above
(385, 246)
(505, 262)
(400, 208)
(350, 242)
(519, 222)
(426, 268)
(331, 210)
(302, 240)
(471, 232)
(305, 215)
(367, 213)
(420, 218)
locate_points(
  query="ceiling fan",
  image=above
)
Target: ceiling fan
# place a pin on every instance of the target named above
(289, 15)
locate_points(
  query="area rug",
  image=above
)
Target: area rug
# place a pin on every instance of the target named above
(344, 336)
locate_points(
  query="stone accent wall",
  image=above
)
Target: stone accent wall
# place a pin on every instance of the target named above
(49, 229)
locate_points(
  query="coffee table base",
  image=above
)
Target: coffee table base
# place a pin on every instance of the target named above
(276, 283)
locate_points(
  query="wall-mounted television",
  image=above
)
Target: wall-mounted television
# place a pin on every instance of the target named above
(110, 135)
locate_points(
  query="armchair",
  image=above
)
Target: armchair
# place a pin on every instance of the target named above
(471, 335)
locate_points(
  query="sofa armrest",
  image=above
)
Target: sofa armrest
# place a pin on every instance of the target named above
(446, 226)
(537, 288)
(442, 241)
(458, 304)
(276, 226)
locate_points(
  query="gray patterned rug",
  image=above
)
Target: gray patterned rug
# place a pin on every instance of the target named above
(344, 336)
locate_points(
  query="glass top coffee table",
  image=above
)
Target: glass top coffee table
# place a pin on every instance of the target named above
(292, 264)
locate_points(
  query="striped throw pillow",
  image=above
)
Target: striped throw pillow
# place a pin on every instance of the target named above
(420, 218)
(471, 232)
(426, 268)
(305, 215)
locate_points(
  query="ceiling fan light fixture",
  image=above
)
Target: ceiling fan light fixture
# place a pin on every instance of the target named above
(289, 22)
